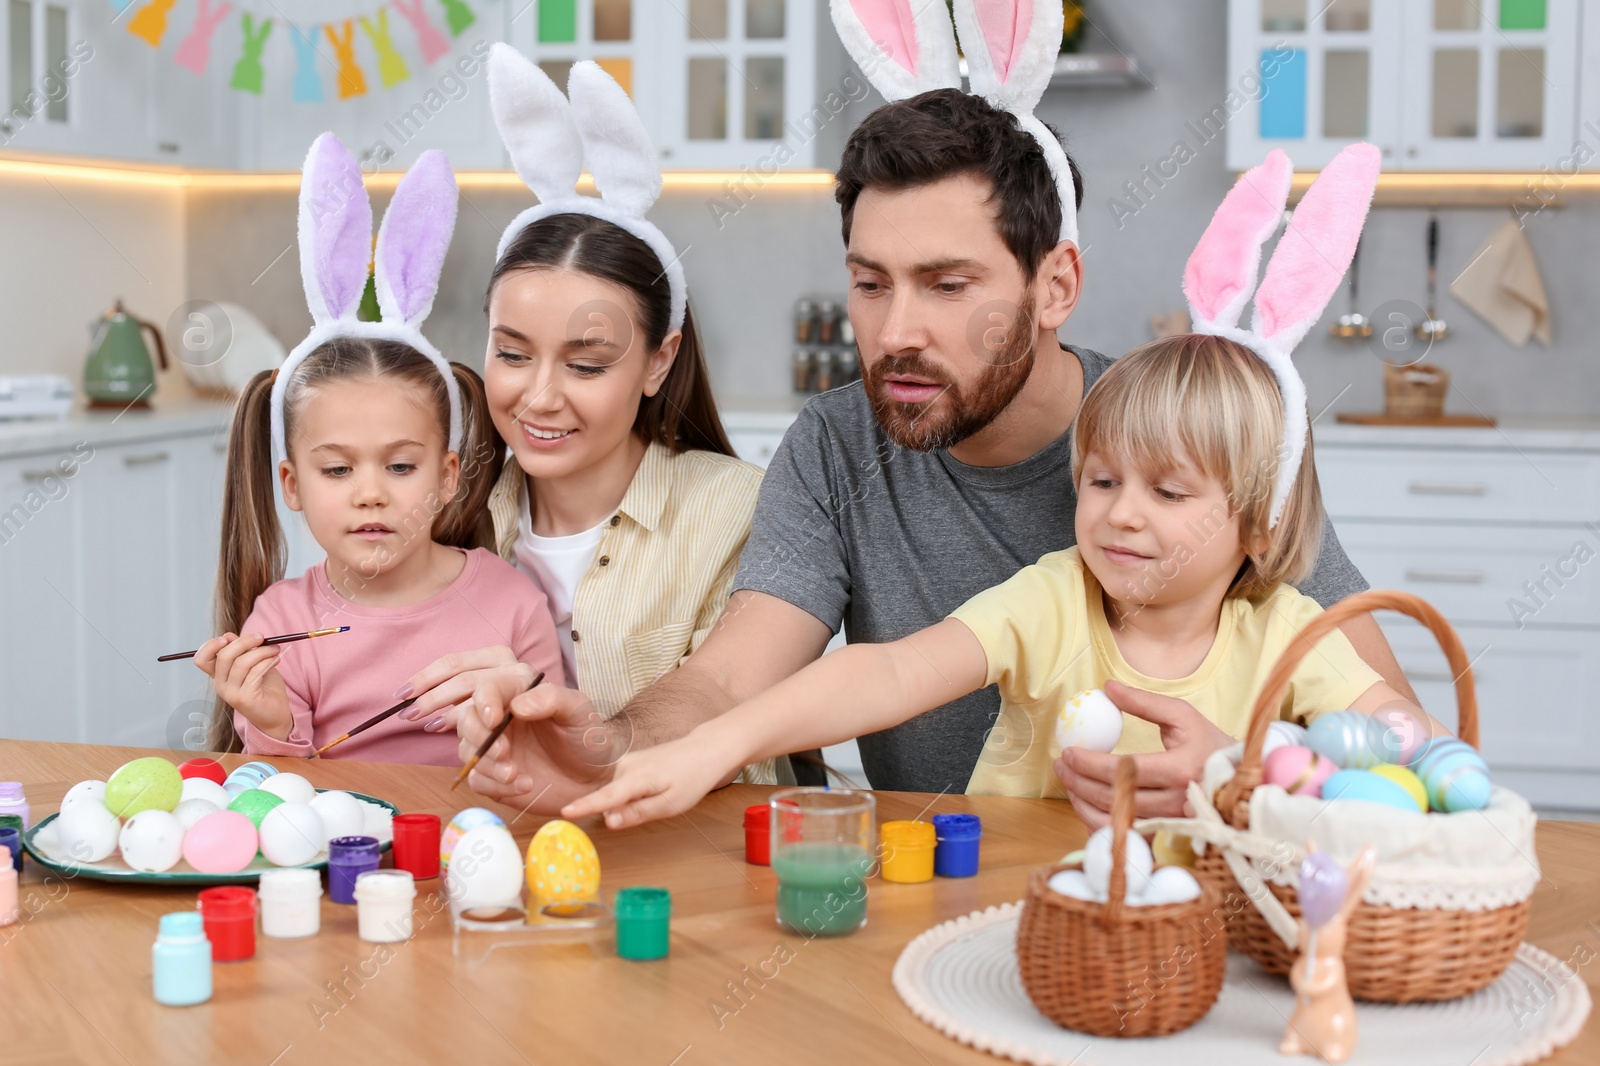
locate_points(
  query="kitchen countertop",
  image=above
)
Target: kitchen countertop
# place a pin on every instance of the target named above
(177, 416)
(1512, 431)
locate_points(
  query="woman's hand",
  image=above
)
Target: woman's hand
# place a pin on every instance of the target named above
(558, 747)
(1188, 736)
(659, 782)
(245, 674)
(491, 677)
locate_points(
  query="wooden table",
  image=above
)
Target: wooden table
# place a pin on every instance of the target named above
(75, 973)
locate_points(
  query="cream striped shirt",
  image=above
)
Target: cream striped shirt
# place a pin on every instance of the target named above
(661, 575)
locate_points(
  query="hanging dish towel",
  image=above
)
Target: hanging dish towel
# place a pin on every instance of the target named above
(1502, 286)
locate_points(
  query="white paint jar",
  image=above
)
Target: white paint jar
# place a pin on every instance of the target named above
(291, 903)
(383, 905)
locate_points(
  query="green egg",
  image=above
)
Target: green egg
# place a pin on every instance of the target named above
(146, 784)
(254, 804)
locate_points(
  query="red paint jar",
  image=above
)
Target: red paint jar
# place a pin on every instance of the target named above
(416, 845)
(758, 834)
(229, 914)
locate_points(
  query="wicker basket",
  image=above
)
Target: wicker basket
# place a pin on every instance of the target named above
(1415, 391)
(1108, 969)
(1393, 955)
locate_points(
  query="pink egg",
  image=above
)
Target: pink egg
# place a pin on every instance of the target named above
(1297, 770)
(221, 843)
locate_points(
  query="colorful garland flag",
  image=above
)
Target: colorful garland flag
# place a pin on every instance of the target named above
(150, 21)
(429, 39)
(307, 82)
(392, 69)
(459, 15)
(248, 72)
(351, 81)
(195, 51)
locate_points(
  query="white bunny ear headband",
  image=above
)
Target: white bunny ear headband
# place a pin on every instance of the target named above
(335, 231)
(906, 47)
(551, 136)
(1307, 265)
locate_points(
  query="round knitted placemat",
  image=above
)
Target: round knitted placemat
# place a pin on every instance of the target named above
(961, 978)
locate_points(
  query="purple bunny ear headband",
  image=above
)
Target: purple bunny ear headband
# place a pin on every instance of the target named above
(1306, 267)
(550, 136)
(335, 231)
(906, 47)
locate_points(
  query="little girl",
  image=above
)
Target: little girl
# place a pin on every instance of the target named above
(1194, 510)
(366, 429)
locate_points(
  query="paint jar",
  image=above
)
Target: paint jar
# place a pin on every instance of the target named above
(416, 844)
(181, 961)
(758, 835)
(11, 839)
(348, 859)
(821, 852)
(8, 889)
(291, 903)
(643, 917)
(229, 912)
(383, 902)
(957, 853)
(907, 852)
(12, 801)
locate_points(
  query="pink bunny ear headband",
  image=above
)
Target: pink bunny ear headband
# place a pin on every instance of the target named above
(906, 47)
(335, 230)
(1305, 270)
(550, 136)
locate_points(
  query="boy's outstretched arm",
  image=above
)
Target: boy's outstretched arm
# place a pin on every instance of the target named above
(861, 688)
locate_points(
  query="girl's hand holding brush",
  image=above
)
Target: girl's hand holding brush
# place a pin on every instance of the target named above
(244, 671)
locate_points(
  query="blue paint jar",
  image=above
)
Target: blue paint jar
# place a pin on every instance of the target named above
(956, 852)
(348, 859)
(181, 960)
(12, 838)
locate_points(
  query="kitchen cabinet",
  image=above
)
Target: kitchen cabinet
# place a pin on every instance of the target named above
(1438, 85)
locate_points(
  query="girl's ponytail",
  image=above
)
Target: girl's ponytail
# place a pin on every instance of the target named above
(253, 554)
(465, 521)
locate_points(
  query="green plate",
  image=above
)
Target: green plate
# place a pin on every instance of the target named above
(114, 869)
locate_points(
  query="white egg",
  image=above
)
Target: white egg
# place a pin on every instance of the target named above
(1097, 863)
(292, 834)
(190, 811)
(152, 841)
(1089, 720)
(341, 814)
(1281, 733)
(291, 788)
(87, 830)
(89, 789)
(1170, 884)
(485, 869)
(206, 789)
(1073, 883)
(377, 821)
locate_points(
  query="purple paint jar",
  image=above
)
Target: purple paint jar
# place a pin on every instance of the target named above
(348, 859)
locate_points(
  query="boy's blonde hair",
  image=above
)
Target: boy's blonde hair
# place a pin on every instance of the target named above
(1217, 401)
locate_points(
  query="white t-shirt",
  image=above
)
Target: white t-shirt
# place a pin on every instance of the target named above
(557, 564)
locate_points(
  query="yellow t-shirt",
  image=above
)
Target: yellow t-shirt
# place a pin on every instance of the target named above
(1046, 638)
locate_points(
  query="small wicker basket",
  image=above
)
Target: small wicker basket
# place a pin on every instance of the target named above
(1393, 954)
(1415, 391)
(1109, 969)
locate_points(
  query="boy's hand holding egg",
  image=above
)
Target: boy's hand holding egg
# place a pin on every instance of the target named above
(1089, 720)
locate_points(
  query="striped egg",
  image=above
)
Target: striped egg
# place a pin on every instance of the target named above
(1280, 734)
(1455, 775)
(1351, 739)
(1297, 770)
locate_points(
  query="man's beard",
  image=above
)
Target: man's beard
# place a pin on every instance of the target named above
(952, 416)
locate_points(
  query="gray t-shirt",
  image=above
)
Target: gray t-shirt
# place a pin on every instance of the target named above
(852, 527)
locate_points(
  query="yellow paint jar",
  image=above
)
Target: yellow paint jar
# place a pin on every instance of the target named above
(908, 851)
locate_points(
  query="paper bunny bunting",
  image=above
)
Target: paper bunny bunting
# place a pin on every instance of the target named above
(1306, 268)
(335, 234)
(907, 47)
(551, 136)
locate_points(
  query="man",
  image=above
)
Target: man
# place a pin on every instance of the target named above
(893, 500)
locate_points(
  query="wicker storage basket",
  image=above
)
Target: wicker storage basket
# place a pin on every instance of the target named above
(1110, 969)
(1415, 391)
(1394, 954)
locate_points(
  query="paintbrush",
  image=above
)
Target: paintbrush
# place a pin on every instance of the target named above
(288, 638)
(364, 726)
(488, 742)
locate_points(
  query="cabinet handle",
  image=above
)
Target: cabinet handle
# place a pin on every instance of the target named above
(37, 476)
(1444, 676)
(220, 447)
(1453, 577)
(145, 459)
(1447, 488)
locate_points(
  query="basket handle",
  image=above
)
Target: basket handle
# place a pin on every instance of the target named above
(1248, 776)
(1124, 793)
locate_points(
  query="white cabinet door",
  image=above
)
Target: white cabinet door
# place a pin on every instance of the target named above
(197, 538)
(190, 119)
(57, 62)
(42, 624)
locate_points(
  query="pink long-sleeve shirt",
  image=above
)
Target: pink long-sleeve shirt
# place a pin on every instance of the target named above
(337, 682)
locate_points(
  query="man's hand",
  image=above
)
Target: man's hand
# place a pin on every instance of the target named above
(556, 749)
(1188, 736)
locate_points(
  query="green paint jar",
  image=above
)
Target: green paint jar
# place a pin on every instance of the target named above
(644, 920)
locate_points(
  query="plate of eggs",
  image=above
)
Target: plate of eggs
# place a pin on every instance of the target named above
(153, 822)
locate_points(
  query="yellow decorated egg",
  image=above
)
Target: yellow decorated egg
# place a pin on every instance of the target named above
(1406, 780)
(563, 867)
